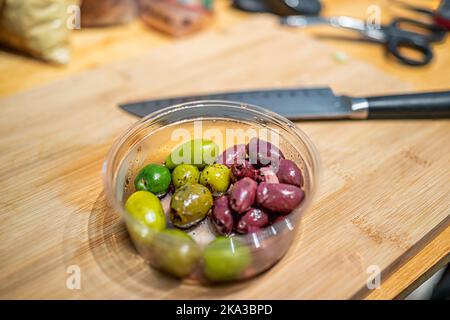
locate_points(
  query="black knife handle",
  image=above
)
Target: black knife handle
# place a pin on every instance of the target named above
(428, 105)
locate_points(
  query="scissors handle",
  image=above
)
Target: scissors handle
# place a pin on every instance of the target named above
(395, 45)
(404, 33)
(415, 28)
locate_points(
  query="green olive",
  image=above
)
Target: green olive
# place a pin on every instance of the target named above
(199, 152)
(184, 174)
(190, 204)
(176, 252)
(216, 177)
(141, 235)
(146, 208)
(225, 259)
(154, 178)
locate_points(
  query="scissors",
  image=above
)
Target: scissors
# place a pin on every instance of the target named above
(396, 36)
(440, 16)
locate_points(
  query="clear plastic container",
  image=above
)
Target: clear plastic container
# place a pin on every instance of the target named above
(244, 256)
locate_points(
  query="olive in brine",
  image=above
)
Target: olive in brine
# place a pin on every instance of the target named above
(252, 221)
(225, 259)
(243, 194)
(216, 177)
(198, 152)
(154, 178)
(189, 205)
(263, 153)
(279, 197)
(146, 208)
(242, 170)
(232, 155)
(176, 252)
(289, 172)
(184, 174)
(222, 216)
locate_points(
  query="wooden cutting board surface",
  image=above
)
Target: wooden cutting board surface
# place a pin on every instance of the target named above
(384, 192)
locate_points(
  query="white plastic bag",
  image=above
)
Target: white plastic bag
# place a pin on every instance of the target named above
(38, 27)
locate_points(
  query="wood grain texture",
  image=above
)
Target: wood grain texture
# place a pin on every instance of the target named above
(429, 260)
(383, 195)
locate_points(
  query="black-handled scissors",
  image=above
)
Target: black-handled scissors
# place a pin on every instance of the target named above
(401, 33)
(398, 36)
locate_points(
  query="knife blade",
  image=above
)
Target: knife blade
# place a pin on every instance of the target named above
(318, 104)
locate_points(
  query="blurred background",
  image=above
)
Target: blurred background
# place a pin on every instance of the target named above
(70, 36)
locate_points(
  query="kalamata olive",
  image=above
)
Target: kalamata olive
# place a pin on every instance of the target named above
(222, 215)
(279, 197)
(289, 172)
(263, 153)
(242, 195)
(154, 178)
(226, 259)
(253, 220)
(190, 204)
(267, 174)
(146, 208)
(233, 154)
(242, 170)
(184, 174)
(199, 152)
(216, 177)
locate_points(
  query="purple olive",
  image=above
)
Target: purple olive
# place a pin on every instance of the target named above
(242, 170)
(222, 216)
(289, 172)
(279, 197)
(234, 154)
(243, 194)
(263, 153)
(267, 174)
(252, 221)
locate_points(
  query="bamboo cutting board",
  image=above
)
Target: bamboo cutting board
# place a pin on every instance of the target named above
(384, 192)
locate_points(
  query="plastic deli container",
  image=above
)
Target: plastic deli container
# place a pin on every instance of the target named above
(238, 256)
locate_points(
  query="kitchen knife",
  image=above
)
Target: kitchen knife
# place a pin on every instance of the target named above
(320, 104)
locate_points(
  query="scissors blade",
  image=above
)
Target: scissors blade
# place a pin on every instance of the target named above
(348, 23)
(338, 21)
(303, 21)
(344, 22)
